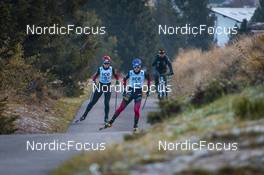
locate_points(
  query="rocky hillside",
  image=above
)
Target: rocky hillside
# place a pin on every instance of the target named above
(218, 99)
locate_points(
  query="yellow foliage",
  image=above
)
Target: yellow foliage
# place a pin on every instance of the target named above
(244, 59)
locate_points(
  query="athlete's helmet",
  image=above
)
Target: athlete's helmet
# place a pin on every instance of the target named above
(136, 62)
(106, 59)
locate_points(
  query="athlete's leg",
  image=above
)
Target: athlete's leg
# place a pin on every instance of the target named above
(137, 111)
(93, 101)
(166, 83)
(156, 78)
(122, 106)
(107, 96)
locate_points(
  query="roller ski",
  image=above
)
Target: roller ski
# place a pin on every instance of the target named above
(136, 130)
(79, 120)
(106, 125)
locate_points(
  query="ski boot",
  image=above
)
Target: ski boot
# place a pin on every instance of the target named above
(107, 125)
(81, 119)
(135, 130)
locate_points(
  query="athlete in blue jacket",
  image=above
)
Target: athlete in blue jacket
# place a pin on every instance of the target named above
(136, 79)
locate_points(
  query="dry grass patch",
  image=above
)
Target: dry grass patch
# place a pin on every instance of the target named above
(242, 61)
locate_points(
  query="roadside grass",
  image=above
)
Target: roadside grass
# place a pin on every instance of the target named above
(230, 68)
(246, 107)
(66, 109)
(193, 122)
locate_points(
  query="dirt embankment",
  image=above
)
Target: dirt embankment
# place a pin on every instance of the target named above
(220, 94)
(46, 115)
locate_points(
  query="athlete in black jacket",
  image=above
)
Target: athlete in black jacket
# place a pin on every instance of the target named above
(160, 66)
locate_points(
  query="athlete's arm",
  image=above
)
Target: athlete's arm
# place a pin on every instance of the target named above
(115, 74)
(125, 80)
(154, 63)
(147, 76)
(96, 74)
(169, 64)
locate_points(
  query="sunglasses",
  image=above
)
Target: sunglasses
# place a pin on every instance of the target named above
(106, 63)
(137, 67)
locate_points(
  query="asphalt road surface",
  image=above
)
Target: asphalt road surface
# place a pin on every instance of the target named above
(15, 159)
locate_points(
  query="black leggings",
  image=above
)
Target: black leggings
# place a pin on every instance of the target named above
(137, 97)
(94, 100)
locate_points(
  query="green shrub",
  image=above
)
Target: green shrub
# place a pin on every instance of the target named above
(154, 117)
(258, 107)
(168, 108)
(241, 106)
(243, 170)
(73, 90)
(134, 136)
(246, 108)
(6, 122)
(212, 91)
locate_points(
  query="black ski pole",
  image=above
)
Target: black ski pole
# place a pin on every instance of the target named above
(90, 99)
(145, 102)
(115, 100)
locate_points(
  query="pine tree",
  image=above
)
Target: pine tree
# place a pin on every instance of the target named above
(6, 122)
(56, 55)
(6, 26)
(133, 25)
(259, 13)
(243, 29)
(196, 13)
(166, 14)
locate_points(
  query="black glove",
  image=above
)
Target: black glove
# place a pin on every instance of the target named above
(124, 93)
(117, 82)
(171, 73)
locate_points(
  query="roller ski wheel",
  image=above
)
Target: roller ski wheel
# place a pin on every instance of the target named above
(107, 125)
(81, 119)
(135, 130)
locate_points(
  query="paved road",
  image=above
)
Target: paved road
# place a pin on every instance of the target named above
(16, 160)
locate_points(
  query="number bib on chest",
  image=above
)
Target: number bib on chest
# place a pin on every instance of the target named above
(106, 75)
(136, 80)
